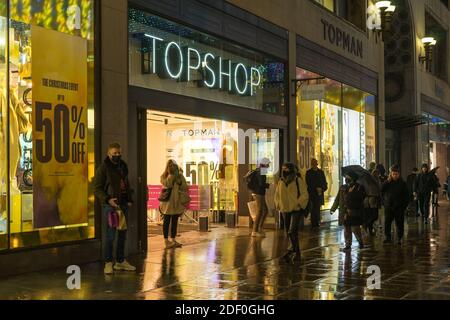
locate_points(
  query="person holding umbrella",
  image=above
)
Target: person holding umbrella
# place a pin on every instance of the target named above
(396, 199)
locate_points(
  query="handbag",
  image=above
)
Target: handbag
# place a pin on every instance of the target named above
(185, 199)
(164, 196)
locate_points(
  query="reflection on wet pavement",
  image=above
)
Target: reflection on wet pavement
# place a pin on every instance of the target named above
(228, 264)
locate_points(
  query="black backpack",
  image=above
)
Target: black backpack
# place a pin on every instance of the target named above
(251, 180)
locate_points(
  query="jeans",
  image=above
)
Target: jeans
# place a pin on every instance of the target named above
(111, 235)
(348, 230)
(424, 204)
(399, 216)
(262, 212)
(291, 224)
(168, 218)
(315, 212)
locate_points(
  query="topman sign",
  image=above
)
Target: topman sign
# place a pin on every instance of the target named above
(186, 63)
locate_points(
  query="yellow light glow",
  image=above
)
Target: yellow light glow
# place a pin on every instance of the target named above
(383, 4)
(390, 9)
(428, 41)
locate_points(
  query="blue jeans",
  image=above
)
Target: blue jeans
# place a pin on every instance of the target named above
(111, 235)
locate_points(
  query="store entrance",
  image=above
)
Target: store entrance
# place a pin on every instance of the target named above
(214, 155)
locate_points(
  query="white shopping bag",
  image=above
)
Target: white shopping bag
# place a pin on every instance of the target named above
(253, 209)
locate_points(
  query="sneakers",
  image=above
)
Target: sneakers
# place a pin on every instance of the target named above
(172, 244)
(347, 248)
(169, 244)
(124, 266)
(257, 234)
(108, 268)
(176, 244)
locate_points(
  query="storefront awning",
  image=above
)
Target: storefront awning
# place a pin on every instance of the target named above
(397, 121)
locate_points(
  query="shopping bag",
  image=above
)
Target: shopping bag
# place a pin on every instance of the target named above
(253, 209)
(122, 226)
(113, 219)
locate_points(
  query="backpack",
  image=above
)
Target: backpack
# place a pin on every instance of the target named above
(251, 180)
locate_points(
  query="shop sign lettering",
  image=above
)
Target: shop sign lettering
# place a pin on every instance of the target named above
(172, 61)
(342, 39)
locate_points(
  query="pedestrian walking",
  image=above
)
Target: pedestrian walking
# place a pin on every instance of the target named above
(257, 183)
(291, 199)
(317, 185)
(372, 205)
(112, 188)
(413, 205)
(447, 187)
(396, 199)
(422, 190)
(350, 201)
(380, 168)
(173, 202)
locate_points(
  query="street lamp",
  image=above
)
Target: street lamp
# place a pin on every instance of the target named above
(386, 13)
(428, 43)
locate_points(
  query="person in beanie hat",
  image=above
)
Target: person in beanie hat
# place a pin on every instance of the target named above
(396, 199)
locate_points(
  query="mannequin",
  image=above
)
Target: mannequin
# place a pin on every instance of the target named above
(18, 124)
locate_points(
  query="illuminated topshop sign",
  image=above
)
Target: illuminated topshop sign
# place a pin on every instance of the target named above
(186, 64)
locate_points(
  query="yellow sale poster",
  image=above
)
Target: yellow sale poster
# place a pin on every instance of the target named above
(60, 168)
(306, 135)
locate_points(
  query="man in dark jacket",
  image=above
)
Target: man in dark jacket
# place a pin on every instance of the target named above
(112, 188)
(422, 190)
(395, 193)
(410, 182)
(259, 195)
(317, 185)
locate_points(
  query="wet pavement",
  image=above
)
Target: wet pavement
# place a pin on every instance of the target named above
(229, 264)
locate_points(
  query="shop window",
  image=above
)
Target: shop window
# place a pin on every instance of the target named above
(170, 57)
(50, 118)
(335, 126)
(438, 66)
(329, 4)
(211, 153)
(354, 11)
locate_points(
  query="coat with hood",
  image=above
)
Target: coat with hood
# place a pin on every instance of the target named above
(287, 198)
(108, 179)
(177, 202)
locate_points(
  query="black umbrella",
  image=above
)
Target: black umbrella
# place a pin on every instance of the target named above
(434, 170)
(365, 178)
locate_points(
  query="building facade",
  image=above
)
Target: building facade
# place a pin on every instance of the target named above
(215, 85)
(418, 91)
